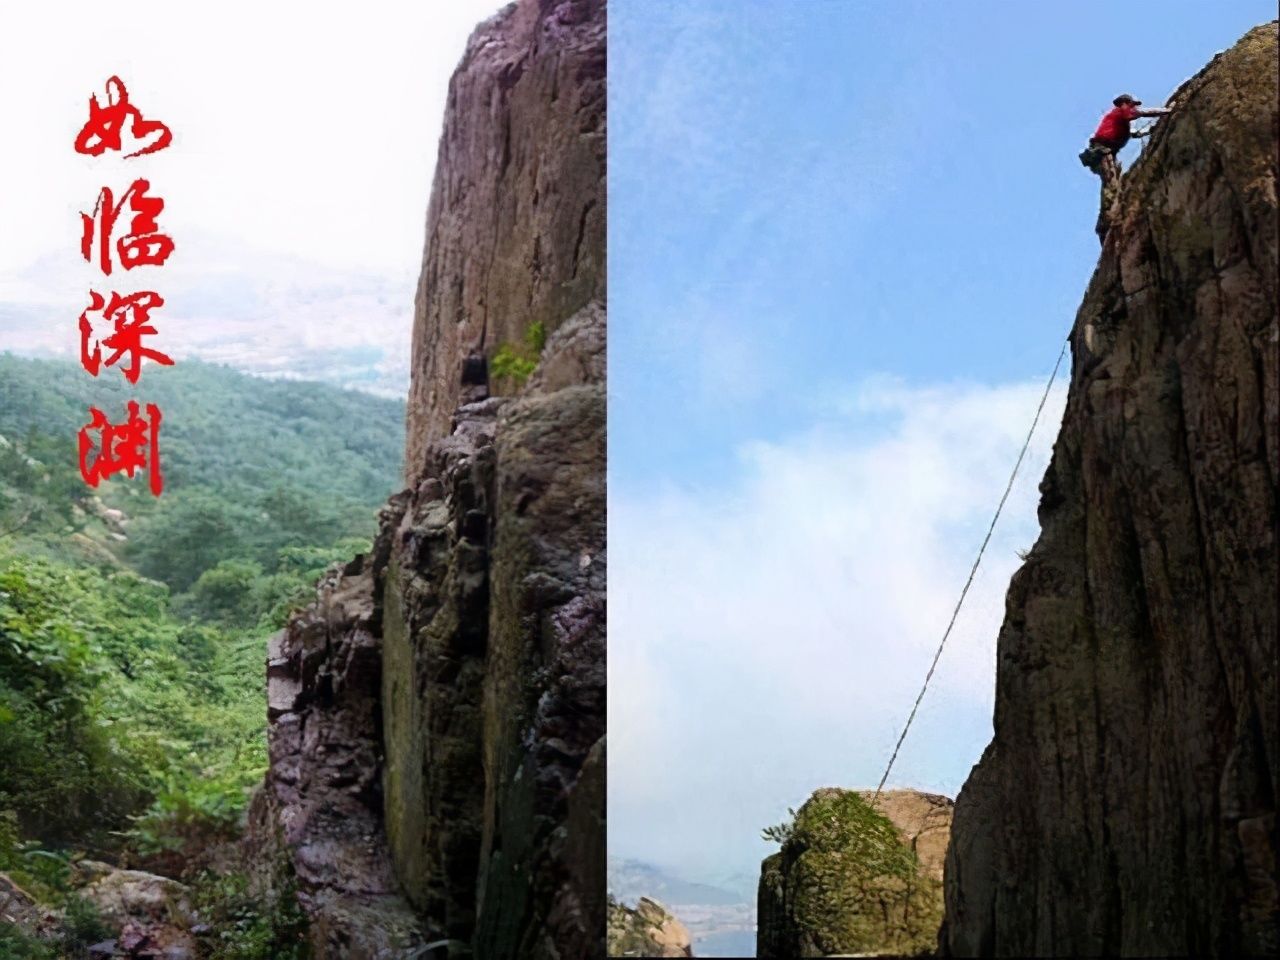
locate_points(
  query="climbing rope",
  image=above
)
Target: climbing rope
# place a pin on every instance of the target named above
(972, 571)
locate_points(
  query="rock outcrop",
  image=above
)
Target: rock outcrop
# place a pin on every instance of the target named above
(437, 717)
(853, 879)
(152, 914)
(1127, 803)
(19, 909)
(319, 817)
(648, 930)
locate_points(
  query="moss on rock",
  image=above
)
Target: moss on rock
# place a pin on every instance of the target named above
(846, 881)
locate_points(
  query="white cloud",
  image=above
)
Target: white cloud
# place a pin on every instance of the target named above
(284, 316)
(769, 639)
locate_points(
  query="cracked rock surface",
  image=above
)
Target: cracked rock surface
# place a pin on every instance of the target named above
(437, 716)
(1127, 802)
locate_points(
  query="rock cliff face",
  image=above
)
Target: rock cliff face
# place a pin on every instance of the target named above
(1127, 803)
(437, 717)
(648, 930)
(516, 223)
(855, 880)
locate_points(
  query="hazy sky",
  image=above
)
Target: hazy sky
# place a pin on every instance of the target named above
(296, 186)
(846, 239)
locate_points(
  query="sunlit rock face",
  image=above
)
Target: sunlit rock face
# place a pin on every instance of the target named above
(437, 717)
(1127, 803)
(646, 930)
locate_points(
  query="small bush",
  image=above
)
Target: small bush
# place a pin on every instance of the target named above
(535, 337)
(18, 945)
(82, 926)
(190, 814)
(246, 926)
(780, 832)
(509, 365)
(515, 362)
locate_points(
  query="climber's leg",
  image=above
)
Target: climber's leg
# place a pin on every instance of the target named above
(1108, 206)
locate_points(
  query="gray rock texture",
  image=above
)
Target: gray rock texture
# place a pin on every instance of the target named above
(1127, 803)
(437, 717)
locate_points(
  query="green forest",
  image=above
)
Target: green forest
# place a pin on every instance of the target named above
(133, 628)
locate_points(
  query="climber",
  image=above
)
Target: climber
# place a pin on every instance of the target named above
(1107, 141)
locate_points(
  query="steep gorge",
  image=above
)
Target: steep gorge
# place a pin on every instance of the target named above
(1127, 802)
(437, 716)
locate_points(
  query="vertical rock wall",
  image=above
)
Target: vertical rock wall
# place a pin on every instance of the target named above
(516, 222)
(437, 719)
(1127, 803)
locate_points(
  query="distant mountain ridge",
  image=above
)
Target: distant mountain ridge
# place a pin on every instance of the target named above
(219, 419)
(629, 880)
(254, 469)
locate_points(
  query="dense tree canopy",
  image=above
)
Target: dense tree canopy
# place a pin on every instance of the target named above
(133, 628)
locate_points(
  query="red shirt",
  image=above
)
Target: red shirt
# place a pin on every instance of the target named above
(1114, 128)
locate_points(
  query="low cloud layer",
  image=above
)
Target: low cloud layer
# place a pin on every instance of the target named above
(768, 639)
(264, 313)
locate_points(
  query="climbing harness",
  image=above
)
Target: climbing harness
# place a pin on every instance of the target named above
(1091, 157)
(972, 571)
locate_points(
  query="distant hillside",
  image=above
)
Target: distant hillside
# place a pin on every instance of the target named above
(253, 468)
(222, 427)
(629, 880)
(133, 629)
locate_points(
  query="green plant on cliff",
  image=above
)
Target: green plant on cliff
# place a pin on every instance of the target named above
(514, 362)
(780, 832)
(855, 886)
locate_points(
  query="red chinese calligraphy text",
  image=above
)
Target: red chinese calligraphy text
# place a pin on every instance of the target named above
(144, 245)
(102, 131)
(129, 318)
(123, 447)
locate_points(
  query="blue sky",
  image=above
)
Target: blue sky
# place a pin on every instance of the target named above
(806, 193)
(846, 240)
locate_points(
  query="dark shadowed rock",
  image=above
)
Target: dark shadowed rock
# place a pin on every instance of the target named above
(1127, 803)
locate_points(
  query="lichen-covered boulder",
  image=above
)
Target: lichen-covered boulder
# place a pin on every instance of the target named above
(646, 930)
(850, 878)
